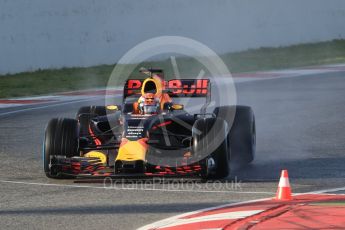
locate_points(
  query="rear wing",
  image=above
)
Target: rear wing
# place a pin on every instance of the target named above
(175, 88)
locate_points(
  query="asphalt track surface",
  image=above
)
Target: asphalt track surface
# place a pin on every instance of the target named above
(300, 127)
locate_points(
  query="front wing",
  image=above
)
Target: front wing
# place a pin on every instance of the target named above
(80, 167)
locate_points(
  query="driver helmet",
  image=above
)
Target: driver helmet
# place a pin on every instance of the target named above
(149, 104)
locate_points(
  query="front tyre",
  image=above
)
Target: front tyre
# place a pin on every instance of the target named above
(61, 139)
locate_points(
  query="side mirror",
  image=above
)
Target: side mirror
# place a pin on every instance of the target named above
(113, 107)
(177, 107)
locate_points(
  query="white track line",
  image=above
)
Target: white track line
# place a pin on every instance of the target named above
(132, 189)
(326, 191)
(46, 106)
(200, 220)
(162, 223)
(173, 218)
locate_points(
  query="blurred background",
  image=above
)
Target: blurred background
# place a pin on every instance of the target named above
(70, 45)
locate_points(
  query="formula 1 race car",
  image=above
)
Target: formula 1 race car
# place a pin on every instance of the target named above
(150, 135)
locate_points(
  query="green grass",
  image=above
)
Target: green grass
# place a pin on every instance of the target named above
(68, 79)
(55, 80)
(287, 57)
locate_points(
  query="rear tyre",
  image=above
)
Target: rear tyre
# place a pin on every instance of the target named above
(216, 160)
(61, 139)
(242, 135)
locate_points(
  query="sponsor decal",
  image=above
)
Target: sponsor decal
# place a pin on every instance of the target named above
(175, 87)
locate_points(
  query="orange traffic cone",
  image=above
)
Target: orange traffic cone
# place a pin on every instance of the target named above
(284, 190)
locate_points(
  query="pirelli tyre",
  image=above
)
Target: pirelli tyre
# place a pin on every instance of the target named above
(242, 135)
(61, 139)
(216, 159)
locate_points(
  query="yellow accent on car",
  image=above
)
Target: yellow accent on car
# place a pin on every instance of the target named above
(132, 151)
(112, 107)
(158, 84)
(177, 106)
(97, 154)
